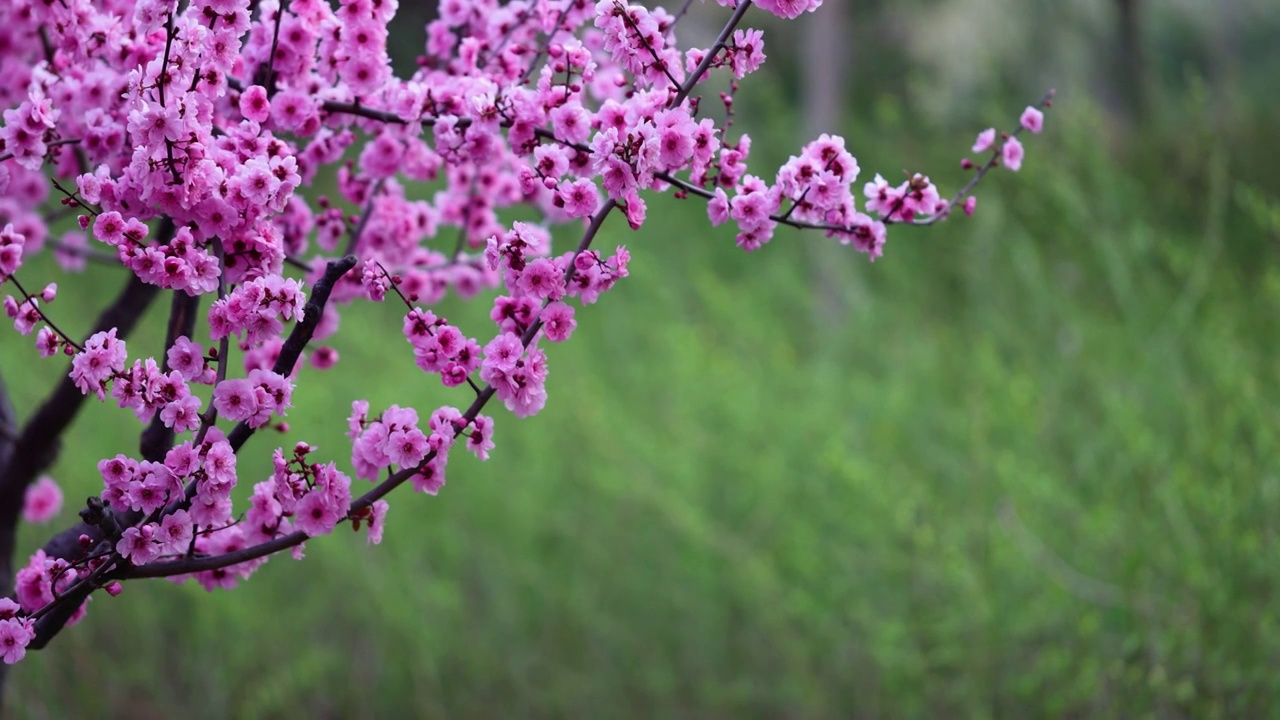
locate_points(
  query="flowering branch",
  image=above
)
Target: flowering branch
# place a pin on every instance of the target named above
(224, 114)
(195, 565)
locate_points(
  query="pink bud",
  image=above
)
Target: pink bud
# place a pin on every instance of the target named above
(969, 204)
(114, 588)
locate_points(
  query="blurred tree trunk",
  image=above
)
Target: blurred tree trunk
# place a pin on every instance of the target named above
(825, 61)
(1131, 69)
(8, 435)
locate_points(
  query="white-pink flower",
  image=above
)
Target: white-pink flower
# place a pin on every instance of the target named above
(1012, 154)
(1032, 119)
(43, 500)
(985, 138)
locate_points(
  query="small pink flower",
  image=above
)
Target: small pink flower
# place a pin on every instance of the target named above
(718, 207)
(480, 439)
(377, 521)
(186, 357)
(137, 545)
(254, 104)
(15, 635)
(43, 501)
(407, 447)
(580, 198)
(984, 141)
(970, 203)
(1032, 119)
(315, 515)
(1012, 154)
(557, 321)
(236, 399)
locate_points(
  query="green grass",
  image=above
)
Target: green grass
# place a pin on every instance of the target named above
(1023, 466)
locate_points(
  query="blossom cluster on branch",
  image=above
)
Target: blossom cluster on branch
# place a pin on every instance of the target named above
(179, 133)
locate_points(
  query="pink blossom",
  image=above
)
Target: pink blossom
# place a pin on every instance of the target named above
(175, 532)
(138, 544)
(15, 635)
(480, 439)
(557, 321)
(579, 198)
(315, 515)
(542, 279)
(42, 501)
(406, 447)
(182, 415)
(1012, 154)
(47, 342)
(11, 243)
(430, 477)
(235, 399)
(254, 104)
(377, 521)
(985, 140)
(1032, 119)
(718, 207)
(788, 9)
(186, 357)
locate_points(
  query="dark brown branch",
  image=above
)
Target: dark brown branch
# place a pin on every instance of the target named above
(302, 333)
(719, 45)
(270, 83)
(8, 433)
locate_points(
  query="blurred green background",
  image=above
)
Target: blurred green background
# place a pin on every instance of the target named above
(1025, 465)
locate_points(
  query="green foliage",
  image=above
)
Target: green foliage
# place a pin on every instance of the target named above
(1026, 469)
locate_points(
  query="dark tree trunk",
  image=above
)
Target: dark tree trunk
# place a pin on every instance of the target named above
(1131, 71)
(8, 434)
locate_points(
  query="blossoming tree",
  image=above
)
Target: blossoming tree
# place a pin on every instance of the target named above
(181, 134)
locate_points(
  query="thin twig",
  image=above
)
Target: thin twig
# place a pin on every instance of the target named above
(719, 45)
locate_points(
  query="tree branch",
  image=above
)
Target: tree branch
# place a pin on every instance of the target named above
(36, 447)
(301, 334)
(284, 542)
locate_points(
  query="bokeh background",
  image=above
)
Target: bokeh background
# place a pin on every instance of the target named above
(1025, 465)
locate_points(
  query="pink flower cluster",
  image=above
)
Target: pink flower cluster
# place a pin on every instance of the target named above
(254, 399)
(101, 360)
(144, 387)
(16, 632)
(316, 496)
(36, 586)
(440, 348)
(1010, 150)
(256, 308)
(394, 439)
(636, 40)
(180, 264)
(24, 130)
(200, 523)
